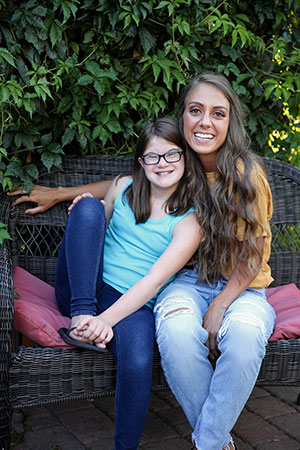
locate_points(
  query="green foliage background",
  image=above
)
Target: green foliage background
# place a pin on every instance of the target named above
(84, 77)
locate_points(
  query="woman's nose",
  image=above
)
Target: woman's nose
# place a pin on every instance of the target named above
(205, 119)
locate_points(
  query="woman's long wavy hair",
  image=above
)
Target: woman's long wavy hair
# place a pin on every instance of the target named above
(232, 195)
(138, 193)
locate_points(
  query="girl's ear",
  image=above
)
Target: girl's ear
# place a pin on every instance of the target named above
(141, 163)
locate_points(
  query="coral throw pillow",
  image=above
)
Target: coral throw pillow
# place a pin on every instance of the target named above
(286, 303)
(36, 312)
(38, 318)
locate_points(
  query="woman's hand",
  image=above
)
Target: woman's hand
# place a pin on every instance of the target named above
(96, 330)
(44, 197)
(212, 323)
(77, 199)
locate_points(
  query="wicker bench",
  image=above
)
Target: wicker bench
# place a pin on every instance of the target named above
(40, 376)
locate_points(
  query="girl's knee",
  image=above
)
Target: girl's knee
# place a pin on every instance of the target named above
(90, 203)
(89, 209)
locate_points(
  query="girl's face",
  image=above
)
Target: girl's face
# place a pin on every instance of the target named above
(205, 122)
(163, 174)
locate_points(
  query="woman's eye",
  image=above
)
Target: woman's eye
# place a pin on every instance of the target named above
(219, 114)
(194, 110)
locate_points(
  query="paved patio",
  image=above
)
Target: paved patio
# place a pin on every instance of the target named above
(270, 421)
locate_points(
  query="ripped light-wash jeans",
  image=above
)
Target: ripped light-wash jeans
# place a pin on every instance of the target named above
(212, 399)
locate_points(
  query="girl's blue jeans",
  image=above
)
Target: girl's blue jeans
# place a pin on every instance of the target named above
(212, 399)
(80, 289)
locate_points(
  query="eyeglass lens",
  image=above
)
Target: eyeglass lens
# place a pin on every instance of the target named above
(168, 157)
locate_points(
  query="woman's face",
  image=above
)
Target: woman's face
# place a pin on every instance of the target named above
(205, 122)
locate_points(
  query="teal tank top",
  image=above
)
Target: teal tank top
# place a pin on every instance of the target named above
(130, 249)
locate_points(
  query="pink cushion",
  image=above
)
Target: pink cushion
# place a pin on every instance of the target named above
(286, 303)
(37, 315)
(36, 312)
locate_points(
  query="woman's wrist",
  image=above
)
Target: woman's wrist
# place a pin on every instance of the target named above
(63, 194)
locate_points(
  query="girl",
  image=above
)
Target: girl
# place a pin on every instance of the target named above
(213, 322)
(101, 285)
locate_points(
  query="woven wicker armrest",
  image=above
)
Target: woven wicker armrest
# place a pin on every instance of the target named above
(6, 292)
(6, 303)
(6, 328)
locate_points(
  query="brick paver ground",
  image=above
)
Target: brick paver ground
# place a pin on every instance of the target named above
(270, 421)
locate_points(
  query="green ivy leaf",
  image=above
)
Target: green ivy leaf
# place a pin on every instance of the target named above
(32, 171)
(7, 56)
(46, 139)
(85, 80)
(68, 8)
(268, 91)
(50, 159)
(68, 136)
(3, 233)
(148, 40)
(156, 71)
(55, 148)
(88, 36)
(114, 126)
(94, 68)
(99, 88)
(55, 34)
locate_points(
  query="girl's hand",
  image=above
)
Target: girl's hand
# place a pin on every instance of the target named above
(212, 322)
(77, 199)
(96, 330)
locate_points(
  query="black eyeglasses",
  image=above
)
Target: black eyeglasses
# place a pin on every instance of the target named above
(170, 157)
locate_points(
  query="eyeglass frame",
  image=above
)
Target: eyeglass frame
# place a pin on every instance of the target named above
(180, 153)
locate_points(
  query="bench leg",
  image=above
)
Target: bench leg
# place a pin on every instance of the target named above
(17, 416)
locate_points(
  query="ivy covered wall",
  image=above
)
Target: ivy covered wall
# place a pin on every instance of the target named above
(83, 77)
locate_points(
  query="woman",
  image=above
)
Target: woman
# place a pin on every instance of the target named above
(213, 322)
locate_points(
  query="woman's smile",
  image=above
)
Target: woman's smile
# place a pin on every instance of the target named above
(206, 121)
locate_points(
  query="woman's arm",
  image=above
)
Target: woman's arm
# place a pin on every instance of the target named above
(112, 192)
(47, 197)
(239, 280)
(185, 241)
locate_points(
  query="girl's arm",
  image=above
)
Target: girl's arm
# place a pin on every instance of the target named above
(47, 197)
(185, 241)
(239, 280)
(112, 193)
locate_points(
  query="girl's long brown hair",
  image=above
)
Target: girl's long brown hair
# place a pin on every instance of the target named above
(231, 197)
(138, 193)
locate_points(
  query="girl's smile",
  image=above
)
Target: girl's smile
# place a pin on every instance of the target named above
(163, 175)
(206, 121)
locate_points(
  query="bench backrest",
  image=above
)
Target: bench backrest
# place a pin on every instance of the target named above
(36, 239)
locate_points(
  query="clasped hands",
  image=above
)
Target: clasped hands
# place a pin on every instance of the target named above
(95, 330)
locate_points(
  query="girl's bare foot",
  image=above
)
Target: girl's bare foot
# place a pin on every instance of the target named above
(75, 321)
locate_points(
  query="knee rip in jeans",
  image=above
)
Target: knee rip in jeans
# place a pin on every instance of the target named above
(251, 319)
(172, 306)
